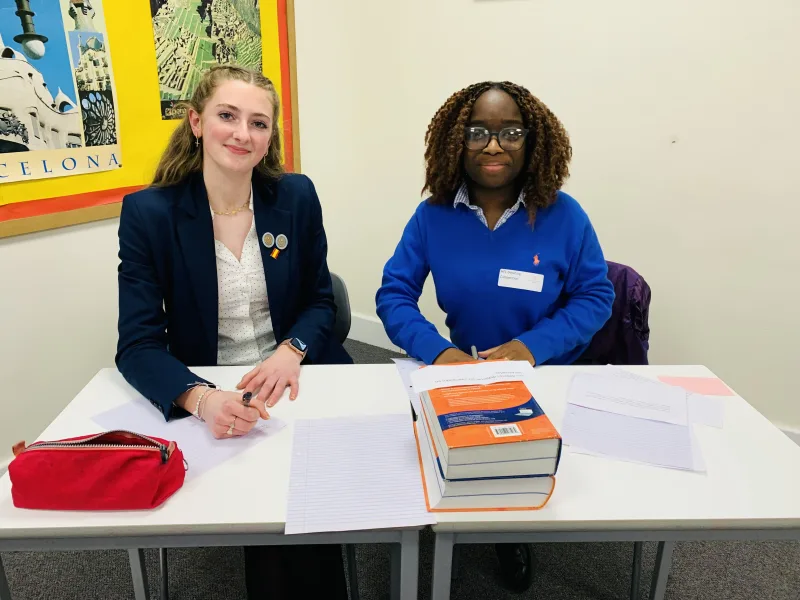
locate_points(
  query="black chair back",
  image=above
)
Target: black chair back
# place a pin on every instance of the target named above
(341, 326)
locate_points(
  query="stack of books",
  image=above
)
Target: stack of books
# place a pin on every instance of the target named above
(485, 447)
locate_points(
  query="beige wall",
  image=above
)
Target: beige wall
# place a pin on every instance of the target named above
(684, 124)
(59, 322)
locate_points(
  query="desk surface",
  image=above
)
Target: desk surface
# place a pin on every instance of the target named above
(753, 478)
(246, 494)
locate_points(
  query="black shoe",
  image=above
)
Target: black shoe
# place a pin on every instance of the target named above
(516, 566)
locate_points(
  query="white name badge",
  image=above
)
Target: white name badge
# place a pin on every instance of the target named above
(521, 280)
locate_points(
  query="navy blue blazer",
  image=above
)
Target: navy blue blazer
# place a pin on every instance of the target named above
(168, 312)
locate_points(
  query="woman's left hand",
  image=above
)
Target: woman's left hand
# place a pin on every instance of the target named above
(268, 379)
(513, 350)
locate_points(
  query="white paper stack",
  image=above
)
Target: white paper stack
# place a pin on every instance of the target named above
(621, 415)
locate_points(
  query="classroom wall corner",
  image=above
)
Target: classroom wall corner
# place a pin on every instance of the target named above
(368, 329)
(792, 434)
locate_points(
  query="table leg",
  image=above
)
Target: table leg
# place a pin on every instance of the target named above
(636, 572)
(141, 591)
(409, 565)
(456, 562)
(396, 555)
(5, 593)
(162, 559)
(442, 566)
(661, 571)
(352, 571)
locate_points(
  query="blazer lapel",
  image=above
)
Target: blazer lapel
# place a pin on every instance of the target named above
(196, 236)
(275, 221)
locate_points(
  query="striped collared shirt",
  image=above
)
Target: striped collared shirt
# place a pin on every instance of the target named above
(462, 197)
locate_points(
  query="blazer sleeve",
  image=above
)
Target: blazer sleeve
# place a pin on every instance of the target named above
(314, 323)
(142, 354)
(397, 300)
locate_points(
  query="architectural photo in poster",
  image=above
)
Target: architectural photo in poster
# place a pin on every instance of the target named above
(192, 35)
(58, 113)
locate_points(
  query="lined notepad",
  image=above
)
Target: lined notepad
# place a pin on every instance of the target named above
(355, 473)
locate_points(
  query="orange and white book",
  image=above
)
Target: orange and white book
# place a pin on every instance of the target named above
(441, 495)
(490, 431)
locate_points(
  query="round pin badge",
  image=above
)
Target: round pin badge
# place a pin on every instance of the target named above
(268, 239)
(281, 241)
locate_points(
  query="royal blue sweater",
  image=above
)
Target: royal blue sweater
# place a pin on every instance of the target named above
(465, 258)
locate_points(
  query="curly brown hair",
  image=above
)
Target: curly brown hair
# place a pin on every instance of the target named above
(547, 148)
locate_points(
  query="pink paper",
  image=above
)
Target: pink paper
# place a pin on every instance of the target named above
(707, 386)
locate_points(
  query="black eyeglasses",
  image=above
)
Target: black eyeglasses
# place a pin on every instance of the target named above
(509, 138)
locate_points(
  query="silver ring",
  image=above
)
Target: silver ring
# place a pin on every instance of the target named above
(230, 429)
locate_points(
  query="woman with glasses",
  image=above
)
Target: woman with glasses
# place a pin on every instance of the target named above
(517, 266)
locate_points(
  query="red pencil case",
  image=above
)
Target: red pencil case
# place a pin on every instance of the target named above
(115, 470)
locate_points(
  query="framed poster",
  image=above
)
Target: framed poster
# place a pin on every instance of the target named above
(190, 37)
(142, 132)
(58, 113)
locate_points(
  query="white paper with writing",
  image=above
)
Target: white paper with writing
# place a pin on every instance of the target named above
(483, 373)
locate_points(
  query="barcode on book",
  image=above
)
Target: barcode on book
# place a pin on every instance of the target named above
(505, 430)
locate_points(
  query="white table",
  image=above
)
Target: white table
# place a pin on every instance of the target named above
(750, 492)
(226, 506)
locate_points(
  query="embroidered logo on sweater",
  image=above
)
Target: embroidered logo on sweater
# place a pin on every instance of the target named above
(536, 260)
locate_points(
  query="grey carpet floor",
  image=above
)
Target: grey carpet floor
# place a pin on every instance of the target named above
(700, 571)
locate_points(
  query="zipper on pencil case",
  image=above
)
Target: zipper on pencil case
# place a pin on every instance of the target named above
(86, 444)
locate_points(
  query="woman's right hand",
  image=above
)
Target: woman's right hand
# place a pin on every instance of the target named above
(220, 409)
(453, 355)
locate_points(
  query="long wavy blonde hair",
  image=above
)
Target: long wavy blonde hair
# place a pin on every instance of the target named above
(183, 156)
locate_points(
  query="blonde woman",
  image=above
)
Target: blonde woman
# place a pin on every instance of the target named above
(223, 262)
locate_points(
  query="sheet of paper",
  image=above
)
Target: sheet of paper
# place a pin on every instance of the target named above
(482, 373)
(355, 473)
(706, 410)
(698, 462)
(630, 397)
(625, 374)
(708, 386)
(703, 410)
(406, 366)
(628, 438)
(201, 450)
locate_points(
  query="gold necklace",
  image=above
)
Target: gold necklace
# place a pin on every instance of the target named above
(232, 211)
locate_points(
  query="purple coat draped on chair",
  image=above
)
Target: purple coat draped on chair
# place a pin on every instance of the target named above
(624, 339)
